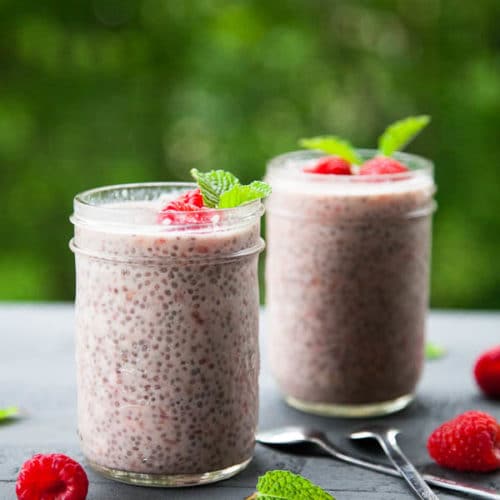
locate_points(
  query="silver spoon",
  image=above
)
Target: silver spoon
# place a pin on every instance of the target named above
(300, 435)
(386, 437)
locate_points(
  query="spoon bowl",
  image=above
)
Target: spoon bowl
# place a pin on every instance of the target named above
(374, 431)
(386, 437)
(290, 436)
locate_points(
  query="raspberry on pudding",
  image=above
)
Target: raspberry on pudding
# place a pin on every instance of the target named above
(329, 165)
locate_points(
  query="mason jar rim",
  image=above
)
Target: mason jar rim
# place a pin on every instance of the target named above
(414, 162)
(80, 197)
(88, 211)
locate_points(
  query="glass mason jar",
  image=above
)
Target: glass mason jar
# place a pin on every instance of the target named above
(347, 276)
(166, 336)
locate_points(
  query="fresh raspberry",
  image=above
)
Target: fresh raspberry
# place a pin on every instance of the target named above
(382, 165)
(189, 207)
(181, 206)
(177, 212)
(469, 442)
(192, 197)
(330, 165)
(487, 372)
(51, 477)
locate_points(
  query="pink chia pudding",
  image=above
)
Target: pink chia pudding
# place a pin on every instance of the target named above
(347, 284)
(166, 337)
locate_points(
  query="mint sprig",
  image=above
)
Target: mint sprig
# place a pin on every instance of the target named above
(333, 145)
(8, 413)
(434, 351)
(285, 485)
(212, 184)
(397, 135)
(221, 189)
(239, 194)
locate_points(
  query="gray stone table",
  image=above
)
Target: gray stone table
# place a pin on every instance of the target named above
(37, 373)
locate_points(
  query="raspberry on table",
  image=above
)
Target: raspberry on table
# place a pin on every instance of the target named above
(469, 442)
(382, 165)
(51, 477)
(487, 372)
(330, 165)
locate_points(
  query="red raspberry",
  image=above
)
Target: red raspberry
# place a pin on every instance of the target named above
(190, 202)
(381, 165)
(487, 372)
(469, 442)
(330, 165)
(51, 477)
(193, 197)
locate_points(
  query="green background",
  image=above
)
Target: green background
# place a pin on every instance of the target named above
(113, 91)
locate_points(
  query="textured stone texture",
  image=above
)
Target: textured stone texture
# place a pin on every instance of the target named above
(37, 373)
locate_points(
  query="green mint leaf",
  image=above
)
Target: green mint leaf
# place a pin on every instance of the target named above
(239, 194)
(8, 413)
(400, 133)
(212, 184)
(434, 351)
(284, 485)
(333, 145)
(221, 189)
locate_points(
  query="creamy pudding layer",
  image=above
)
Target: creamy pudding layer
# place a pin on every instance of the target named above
(167, 343)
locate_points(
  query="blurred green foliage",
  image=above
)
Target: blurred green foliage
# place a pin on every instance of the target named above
(111, 91)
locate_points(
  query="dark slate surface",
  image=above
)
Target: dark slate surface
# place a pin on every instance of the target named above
(37, 373)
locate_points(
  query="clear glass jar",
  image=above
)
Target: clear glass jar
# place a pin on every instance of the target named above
(167, 322)
(347, 278)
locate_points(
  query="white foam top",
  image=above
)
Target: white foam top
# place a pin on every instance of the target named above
(321, 185)
(141, 216)
(285, 174)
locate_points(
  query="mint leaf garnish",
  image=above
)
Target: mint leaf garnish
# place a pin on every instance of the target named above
(8, 413)
(212, 184)
(333, 145)
(221, 189)
(284, 485)
(397, 135)
(239, 194)
(434, 351)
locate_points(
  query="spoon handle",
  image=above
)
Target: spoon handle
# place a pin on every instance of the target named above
(448, 484)
(410, 474)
